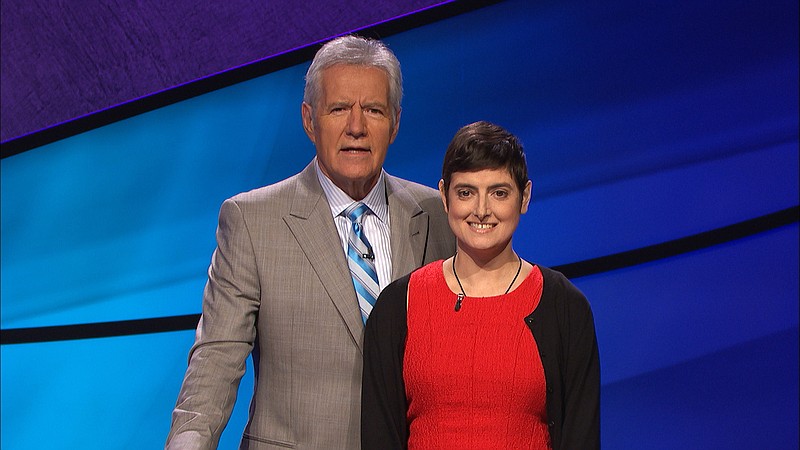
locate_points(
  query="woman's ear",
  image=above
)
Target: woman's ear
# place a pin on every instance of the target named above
(443, 194)
(526, 197)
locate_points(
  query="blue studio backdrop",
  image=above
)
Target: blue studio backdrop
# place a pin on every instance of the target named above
(647, 125)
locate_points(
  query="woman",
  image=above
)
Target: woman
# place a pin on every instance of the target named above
(483, 350)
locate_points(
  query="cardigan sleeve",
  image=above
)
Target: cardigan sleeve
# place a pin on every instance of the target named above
(563, 327)
(383, 394)
(581, 372)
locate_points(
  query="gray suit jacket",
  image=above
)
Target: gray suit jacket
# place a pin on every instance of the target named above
(279, 287)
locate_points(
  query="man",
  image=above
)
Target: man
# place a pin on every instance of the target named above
(290, 258)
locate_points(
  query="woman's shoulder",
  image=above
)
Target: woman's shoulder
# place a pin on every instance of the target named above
(432, 270)
(559, 288)
(390, 305)
(398, 285)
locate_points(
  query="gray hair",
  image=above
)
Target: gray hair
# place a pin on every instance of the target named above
(357, 51)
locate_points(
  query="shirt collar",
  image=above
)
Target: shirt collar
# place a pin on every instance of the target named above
(338, 200)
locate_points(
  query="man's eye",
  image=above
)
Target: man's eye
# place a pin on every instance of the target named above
(374, 111)
(463, 193)
(501, 194)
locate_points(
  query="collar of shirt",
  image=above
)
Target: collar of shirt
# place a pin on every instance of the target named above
(338, 200)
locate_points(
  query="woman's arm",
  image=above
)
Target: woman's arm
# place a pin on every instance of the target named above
(383, 395)
(581, 427)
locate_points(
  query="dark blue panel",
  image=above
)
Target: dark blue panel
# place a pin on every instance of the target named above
(741, 398)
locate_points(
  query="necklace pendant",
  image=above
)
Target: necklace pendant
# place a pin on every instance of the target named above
(459, 299)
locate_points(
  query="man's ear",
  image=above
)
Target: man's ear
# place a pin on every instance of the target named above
(396, 126)
(443, 194)
(307, 113)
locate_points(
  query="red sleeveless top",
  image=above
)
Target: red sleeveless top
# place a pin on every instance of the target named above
(474, 378)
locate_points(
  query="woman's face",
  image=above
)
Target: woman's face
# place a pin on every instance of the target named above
(483, 208)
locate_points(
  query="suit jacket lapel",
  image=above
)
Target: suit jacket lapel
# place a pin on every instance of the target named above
(409, 229)
(312, 225)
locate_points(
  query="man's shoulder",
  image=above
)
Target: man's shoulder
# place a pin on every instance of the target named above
(277, 196)
(280, 191)
(266, 192)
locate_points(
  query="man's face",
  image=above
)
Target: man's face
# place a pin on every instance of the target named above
(351, 126)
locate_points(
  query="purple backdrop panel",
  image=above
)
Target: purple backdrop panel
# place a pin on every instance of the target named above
(62, 60)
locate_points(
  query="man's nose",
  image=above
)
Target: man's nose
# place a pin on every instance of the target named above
(355, 123)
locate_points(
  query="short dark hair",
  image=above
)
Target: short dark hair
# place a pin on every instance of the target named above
(483, 145)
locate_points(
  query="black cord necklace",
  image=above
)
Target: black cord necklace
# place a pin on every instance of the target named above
(463, 294)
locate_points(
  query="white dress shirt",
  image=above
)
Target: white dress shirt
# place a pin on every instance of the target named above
(376, 225)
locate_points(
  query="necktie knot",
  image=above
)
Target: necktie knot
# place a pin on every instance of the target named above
(356, 212)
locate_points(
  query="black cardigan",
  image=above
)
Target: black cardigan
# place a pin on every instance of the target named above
(563, 327)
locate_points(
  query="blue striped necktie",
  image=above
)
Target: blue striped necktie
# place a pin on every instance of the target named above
(361, 260)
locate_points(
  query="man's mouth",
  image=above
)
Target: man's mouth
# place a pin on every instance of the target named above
(355, 150)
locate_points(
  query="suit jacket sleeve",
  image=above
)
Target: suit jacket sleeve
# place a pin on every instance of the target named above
(224, 338)
(383, 394)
